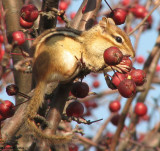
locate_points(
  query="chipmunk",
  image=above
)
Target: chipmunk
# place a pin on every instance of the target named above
(57, 54)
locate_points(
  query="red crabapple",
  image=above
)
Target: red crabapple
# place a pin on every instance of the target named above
(19, 37)
(75, 109)
(63, 5)
(117, 78)
(96, 84)
(25, 24)
(12, 89)
(7, 109)
(72, 15)
(80, 89)
(118, 15)
(114, 106)
(127, 88)
(140, 59)
(112, 56)
(138, 10)
(125, 2)
(115, 119)
(29, 13)
(140, 109)
(139, 76)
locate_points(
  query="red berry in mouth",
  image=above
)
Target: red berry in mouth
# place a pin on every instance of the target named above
(127, 88)
(127, 61)
(19, 37)
(117, 78)
(29, 13)
(118, 15)
(80, 89)
(75, 109)
(12, 89)
(138, 76)
(112, 56)
(7, 109)
(25, 24)
(140, 109)
(114, 106)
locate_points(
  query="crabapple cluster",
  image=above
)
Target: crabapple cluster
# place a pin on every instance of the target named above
(119, 14)
(127, 81)
(29, 13)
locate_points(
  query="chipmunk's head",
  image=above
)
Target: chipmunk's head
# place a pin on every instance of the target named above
(116, 36)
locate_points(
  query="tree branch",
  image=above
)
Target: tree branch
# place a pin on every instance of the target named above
(12, 9)
(121, 124)
(46, 23)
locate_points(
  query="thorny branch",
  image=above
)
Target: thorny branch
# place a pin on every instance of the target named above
(79, 120)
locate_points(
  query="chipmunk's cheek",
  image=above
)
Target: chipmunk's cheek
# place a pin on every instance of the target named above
(128, 53)
(133, 54)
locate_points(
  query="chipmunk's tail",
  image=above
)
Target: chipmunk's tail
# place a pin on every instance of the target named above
(31, 111)
(36, 101)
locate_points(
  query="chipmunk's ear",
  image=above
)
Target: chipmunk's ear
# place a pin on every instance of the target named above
(105, 22)
(110, 21)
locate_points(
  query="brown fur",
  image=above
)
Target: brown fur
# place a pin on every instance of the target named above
(55, 53)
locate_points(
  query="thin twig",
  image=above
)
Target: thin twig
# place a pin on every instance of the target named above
(79, 120)
(101, 129)
(143, 21)
(90, 142)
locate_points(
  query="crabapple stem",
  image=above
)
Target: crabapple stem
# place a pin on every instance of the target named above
(24, 95)
(107, 74)
(115, 73)
(96, 121)
(21, 103)
(109, 5)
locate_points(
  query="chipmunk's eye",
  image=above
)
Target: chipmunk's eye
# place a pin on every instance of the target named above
(118, 39)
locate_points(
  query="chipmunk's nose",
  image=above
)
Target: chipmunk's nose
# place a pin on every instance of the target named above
(133, 53)
(129, 53)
